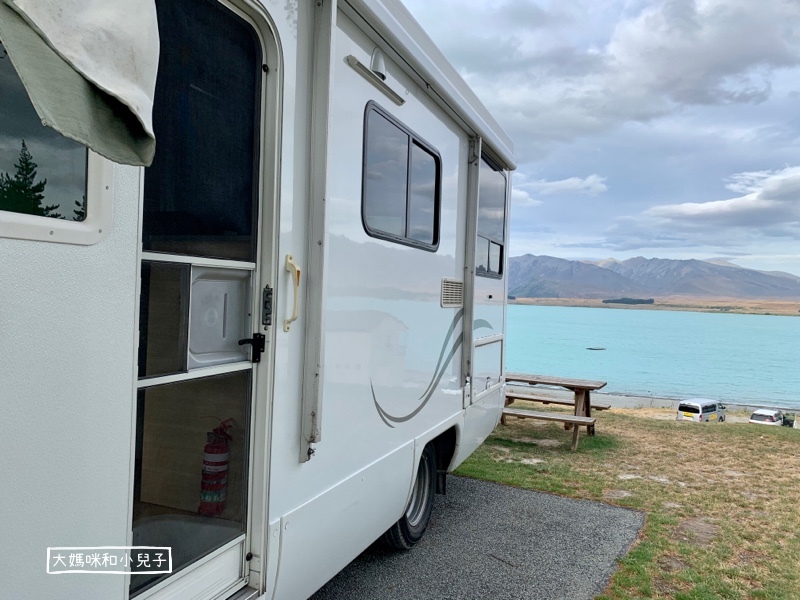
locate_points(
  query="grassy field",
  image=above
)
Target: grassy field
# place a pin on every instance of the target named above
(722, 499)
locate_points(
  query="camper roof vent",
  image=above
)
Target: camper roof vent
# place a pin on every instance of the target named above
(452, 293)
(377, 65)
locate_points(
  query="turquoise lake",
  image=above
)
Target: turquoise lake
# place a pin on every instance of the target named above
(746, 359)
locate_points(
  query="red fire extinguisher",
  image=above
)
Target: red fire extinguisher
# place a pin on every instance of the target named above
(214, 484)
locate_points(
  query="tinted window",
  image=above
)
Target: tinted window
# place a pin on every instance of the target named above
(495, 251)
(688, 408)
(491, 221)
(385, 176)
(422, 195)
(42, 173)
(200, 194)
(400, 183)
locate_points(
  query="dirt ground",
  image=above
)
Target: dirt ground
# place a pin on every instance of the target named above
(707, 489)
(685, 303)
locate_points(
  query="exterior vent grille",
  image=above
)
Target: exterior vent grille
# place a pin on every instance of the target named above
(452, 293)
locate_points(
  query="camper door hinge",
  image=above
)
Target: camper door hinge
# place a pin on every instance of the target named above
(258, 342)
(266, 307)
(473, 150)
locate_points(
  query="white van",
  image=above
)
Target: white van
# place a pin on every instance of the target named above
(701, 409)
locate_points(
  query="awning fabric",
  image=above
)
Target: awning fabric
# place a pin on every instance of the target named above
(89, 67)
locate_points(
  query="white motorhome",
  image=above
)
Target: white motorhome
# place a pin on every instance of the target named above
(265, 350)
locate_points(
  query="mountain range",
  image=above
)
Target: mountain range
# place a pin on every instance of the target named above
(531, 276)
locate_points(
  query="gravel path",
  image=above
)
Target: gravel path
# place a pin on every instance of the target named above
(492, 541)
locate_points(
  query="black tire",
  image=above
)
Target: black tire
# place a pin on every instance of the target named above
(412, 525)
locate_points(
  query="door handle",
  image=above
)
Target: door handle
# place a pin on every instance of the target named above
(258, 342)
(295, 271)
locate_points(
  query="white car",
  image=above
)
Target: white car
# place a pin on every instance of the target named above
(765, 416)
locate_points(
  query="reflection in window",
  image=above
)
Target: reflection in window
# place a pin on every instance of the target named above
(201, 192)
(42, 173)
(386, 166)
(421, 195)
(482, 255)
(401, 183)
(495, 251)
(491, 221)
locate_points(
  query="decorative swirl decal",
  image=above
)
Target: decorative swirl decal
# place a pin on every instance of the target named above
(439, 371)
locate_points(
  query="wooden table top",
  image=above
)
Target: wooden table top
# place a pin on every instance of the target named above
(572, 384)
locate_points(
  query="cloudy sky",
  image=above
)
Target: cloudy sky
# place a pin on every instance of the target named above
(657, 128)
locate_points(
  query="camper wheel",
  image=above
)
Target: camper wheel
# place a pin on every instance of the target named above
(411, 526)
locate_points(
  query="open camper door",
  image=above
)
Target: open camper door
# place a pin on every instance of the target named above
(205, 318)
(487, 283)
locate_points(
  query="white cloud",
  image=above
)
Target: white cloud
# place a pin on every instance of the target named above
(590, 186)
(747, 182)
(549, 79)
(773, 201)
(744, 207)
(520, 197)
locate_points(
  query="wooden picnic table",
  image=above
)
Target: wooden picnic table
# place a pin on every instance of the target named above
(550, 416)
(581, 388)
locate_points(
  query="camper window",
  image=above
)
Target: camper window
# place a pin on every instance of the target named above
(400, 192)
(491, 221)
(42, 173)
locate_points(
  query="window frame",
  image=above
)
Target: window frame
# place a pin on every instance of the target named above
(99, 177)
(413, 138)
(495, 166)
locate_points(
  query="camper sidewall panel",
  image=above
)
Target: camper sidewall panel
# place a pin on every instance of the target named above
(392, 353)
(68, 331)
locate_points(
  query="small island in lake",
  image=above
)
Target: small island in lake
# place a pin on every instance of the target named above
(629, 301)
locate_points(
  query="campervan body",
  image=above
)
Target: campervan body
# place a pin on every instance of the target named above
(259, 338)
(701, 409)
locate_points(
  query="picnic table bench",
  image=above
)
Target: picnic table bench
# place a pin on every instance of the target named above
(512, 396)
(551, 416)
(581, 389)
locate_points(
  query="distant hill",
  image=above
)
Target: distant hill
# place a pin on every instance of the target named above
(532, 276)
(727, 263)
(548, 277)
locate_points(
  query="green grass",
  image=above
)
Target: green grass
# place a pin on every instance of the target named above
(722, 500)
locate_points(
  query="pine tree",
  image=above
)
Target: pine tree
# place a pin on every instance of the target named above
(79, 211)
(22, 193)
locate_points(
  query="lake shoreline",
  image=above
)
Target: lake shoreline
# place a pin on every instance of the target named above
(787, 308)
(619, 400)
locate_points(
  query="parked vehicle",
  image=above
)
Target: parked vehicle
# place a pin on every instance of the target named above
(701, 409)
(168, 376)
(767, 416)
